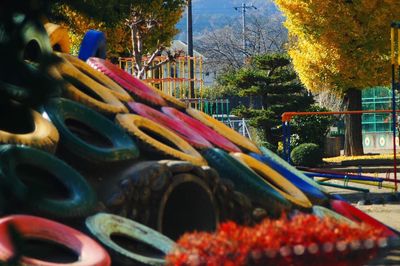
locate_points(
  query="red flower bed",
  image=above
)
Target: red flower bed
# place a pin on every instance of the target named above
(302, 240)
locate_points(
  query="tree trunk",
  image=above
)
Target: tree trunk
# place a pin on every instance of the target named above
(353, 129)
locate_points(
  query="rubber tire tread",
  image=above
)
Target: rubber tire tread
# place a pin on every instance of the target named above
(88, 251)
(93, 44)
(81, 201)
(286, 188)
(247, 181)
(117, 90)
(108, 104)
(125, 80)
(192, 137)
(103, 225)
(123, 148)
(58, 35)
(201, 129)
(45, 135)
(132, 123)
(224, 130)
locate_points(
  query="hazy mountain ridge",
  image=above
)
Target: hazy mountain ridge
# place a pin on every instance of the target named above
(214, 14)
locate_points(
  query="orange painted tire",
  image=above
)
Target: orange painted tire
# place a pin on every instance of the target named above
(59, 38)
(286, 188)
(88, 251)
(223, 130)
(132, 124)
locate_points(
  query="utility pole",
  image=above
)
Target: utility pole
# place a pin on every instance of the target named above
(190, 47)
(242, 9)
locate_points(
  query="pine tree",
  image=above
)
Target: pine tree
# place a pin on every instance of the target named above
(271, 78)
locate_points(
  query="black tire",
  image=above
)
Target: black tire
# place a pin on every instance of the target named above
(247, 182)
(99, 139)
(143, 191)
(107, 228)
(32, 45)
(53, 188)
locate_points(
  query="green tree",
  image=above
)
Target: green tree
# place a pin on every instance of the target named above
(341, 46)
(272, 78)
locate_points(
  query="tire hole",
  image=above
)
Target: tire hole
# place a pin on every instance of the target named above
(42, 182)
(48, 251)
(136, 246)
(16, 120)
(188, 208)
(157, 136)
(32, 51)
(83, 88)
(57, 47)
(88, 134)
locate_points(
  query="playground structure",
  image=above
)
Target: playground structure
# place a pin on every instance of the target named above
(172, 77)
(287, 116)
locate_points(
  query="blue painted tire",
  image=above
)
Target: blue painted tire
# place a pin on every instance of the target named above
(100, 141)
(247, 181)
(313, 190)
(93, 45)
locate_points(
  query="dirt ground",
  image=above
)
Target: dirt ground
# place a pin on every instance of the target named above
(380, 208)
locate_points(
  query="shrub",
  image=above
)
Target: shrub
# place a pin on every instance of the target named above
(307, 154)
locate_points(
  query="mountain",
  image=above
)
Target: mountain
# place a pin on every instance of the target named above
(214, 14)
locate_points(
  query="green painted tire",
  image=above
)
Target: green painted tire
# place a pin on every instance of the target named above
(103, 226)
(40, 170)
(247, 181)
(112, 144)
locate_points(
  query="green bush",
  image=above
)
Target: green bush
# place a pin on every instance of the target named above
(307, 154)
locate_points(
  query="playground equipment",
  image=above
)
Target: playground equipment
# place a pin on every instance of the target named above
(287, 116)
(172, 77)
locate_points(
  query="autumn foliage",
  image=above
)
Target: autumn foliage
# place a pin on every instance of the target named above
(118, 37)
(340, 45)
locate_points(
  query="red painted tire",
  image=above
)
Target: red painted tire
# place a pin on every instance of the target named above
(192, 137)
(351, 212)
(88, 251)
(201, 129)
(131, 84)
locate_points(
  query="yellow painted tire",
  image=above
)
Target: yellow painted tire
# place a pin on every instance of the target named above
(44, 135)
(132, 124)
(223, 130)
(115, 89)
(101, 100)
(59, 38)
(286, 188)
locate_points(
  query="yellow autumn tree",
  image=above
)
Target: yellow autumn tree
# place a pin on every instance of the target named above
(342, 46)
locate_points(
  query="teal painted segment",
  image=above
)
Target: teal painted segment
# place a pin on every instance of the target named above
(377, 98)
